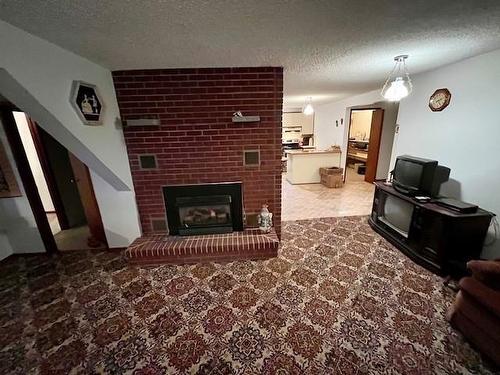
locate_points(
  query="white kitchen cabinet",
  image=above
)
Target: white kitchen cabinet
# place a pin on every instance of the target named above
(298, 119)
(303, 167)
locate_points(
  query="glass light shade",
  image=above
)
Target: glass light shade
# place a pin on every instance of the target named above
(308, 109)
(398, 84)
(397, 90)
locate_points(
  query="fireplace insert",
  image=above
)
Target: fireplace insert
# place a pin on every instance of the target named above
(203, 209)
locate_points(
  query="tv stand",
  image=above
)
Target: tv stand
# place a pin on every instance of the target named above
(438, 238)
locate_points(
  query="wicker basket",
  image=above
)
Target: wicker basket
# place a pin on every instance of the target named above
(331, 177)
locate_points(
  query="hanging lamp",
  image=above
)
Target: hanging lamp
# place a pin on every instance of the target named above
(398, 85)
(308, 108)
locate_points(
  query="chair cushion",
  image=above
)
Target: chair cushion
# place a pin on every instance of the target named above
(480, 294)
(476, 334)
(486, 271)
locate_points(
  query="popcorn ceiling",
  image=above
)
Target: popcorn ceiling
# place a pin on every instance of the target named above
(329, 49)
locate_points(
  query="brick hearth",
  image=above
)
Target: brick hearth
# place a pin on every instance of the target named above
(249, 244)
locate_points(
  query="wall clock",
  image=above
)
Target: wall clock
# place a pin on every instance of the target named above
(439, 100)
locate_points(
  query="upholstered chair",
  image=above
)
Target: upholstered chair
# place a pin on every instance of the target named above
(476, 310)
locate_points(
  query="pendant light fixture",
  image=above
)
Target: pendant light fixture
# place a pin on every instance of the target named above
(398, 84)
(308, 108)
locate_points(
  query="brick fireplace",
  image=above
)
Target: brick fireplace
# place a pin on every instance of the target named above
(195, 140)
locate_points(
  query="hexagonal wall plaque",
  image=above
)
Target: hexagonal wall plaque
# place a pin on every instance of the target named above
(87, 103)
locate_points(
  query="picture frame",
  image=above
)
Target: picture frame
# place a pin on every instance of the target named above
(9, 187)
(87, 102)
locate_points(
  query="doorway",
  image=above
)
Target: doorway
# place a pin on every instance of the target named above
(363, 144)
(67, 206)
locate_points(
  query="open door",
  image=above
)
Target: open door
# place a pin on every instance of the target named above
(374, 148)
(84, 183)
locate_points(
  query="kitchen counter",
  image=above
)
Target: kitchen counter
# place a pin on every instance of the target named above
(303, 166)
(312, 151)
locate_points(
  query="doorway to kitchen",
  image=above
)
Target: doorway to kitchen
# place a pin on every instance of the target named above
(363, 145)
(59, 182)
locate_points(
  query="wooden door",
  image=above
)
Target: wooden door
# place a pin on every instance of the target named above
(374, 145)
(59, 163)
(89, 202)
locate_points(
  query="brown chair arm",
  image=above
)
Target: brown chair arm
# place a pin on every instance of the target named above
(488, 298)
(486, 271)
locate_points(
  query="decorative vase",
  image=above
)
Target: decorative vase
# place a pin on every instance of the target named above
(265, 219)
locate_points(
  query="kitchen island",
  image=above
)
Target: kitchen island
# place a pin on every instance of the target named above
(303, 166)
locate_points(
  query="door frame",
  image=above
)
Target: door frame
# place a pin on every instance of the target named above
(27, 179)
(349, 111)
(48, 174)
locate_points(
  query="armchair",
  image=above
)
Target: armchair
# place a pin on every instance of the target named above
(476, 310)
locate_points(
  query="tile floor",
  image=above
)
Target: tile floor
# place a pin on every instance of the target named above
(74, 239)
(70, 239)
(310, 201)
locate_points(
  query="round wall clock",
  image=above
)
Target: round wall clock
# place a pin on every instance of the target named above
(439, 100)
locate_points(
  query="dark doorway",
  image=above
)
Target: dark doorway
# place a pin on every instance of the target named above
(65, 202)
(59, 165)
(16, 145)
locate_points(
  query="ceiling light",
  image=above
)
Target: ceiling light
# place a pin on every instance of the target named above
(398, 84)
(308, 108)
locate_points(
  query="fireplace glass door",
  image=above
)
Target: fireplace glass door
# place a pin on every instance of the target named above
(205, 214)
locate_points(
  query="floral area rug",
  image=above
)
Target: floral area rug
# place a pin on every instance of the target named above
(337, 299)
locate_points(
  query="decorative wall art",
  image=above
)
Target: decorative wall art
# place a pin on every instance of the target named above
(8, 183)
(87, 103)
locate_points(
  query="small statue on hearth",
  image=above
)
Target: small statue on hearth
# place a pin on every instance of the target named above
(265, 219)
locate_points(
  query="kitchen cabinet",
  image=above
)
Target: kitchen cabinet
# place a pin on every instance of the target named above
(298, 119)
(303, 166)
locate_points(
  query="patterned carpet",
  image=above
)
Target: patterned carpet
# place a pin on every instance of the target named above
(338, 299)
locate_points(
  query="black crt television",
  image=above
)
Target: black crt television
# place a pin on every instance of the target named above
(418, 176)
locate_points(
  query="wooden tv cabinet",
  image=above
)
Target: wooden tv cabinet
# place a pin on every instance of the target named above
(440, 239)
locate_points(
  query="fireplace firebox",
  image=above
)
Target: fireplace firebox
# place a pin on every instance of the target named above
(204, 208)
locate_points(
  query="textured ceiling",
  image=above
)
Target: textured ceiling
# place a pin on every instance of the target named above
(330, 49)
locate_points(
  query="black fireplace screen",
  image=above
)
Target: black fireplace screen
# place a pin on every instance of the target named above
(204, 209)
(201, 214)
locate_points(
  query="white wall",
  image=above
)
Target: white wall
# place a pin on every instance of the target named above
(5, 248)
(32, 155)
(331, 126)
(465, 136)
(46, 72)
(18, 230)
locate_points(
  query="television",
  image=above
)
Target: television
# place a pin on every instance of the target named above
(418, 176)
(397, 214)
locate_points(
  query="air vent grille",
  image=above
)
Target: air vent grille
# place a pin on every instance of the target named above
(147, 162)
